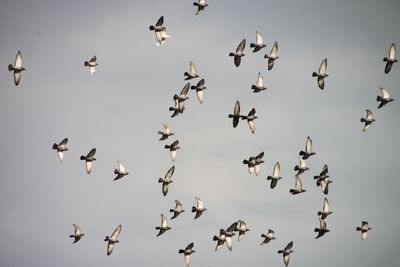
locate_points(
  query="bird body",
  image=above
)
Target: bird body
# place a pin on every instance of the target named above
(201, 5)
(199, 90)
(250, 120)
(242, 229)
(322, 228)
(173, 148)
(301, 167)
(325, 210)
(187, 252)
(298, 188)
(91, 64)
(286, 253)
(192, 72)
(308, 149)
(166, 133)
(236, 114)
(268, 237)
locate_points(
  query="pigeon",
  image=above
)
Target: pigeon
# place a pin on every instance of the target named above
(220, 239)
(186, 252)
(17, 68)
(321, 74)
(166, 180)
(286, 253)
(325, 210)
(199, 209)
(166, 133)
(364, 229)
(390, 59)
(384, 99)
(199, 90)
(192, 72)
(297, 186)
(178, 209)
(91, 64)
(61, 147)
(268, 237)
(201, 5)
(275, 176)
(368, 120)
(178, 108)
(182, 97)
(308, 149)
(161, 37)
(242, 229)
(159, 25)
(324, 173)
(113, 239)
(272, 56)
(259, 43)
(251, 162)
(236, 114)
(89, 160)
(260, 84)
(164, 225)
(301, 167)
(172, 148)
(322, 228)
(228, 235)
(324, 183)
(120, 171)
(77, 235)
(239, 53)
(250, 120)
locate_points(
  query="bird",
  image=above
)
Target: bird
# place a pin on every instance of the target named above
(228, 235)
(120, 171)
(113, 239)
(250, 120)
(239, 53)
(89, 158)
(199, 90)
(325, 210)
(258, 45)
(323, 174)
(367, 120)
(166, 180)
(166, 133)
(268, 237)
(159, 25)
(236, 114)
(78, 234)
(178, 108)
(301, 167)
(177, 210)
(201, 5)
(260, 84)
(308, 149)
(220, 239)
(321, 74)
(251, 162)
(324, 183)
(164, 225)
(384, 98)
(199, 209)
(272, 56)
(242, 229)
(186, 252)
(322, 228)
(192, 72)
(91, 64)
(298, 188)
(17, 68)
(61, 148)
(172, 148)
(364, 229)
(258, 160)
(286, 253)
(391, 59)
(275, 175)
(182, 97)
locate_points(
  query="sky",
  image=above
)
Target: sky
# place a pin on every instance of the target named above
(121, 107)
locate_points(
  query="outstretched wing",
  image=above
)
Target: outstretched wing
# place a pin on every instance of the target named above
(323, 66)
(241, 46)
(18, 60)
(169, 173)
(116, 232)
(200, 204)
(259, 39)
(160, 21)
(260, 80)
(192, 69)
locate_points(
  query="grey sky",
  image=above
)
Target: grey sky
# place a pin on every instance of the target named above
(121, 107)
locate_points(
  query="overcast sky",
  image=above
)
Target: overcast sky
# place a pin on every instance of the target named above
(121, 107)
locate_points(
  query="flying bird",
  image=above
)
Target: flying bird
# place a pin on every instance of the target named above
(364, 229)
(301, 167)
(164, 225)
(186, 252)
(61, 148)
(236, 114)
(298, 188)
(220, 239)
(91, 64)
(89, 160)
(260, 84)
(120, 171)
(192, 72)
(17, 68)
(177, 210)
(172, 148)
(242, 229)
(308, 149)
(323, 174)
(178, 108)
(201, 5)
(321, 74)
(384, 98)
(391, 59)
(258, 45)
(113, 239)
(166, 180)
(325, 210)
(166, 133)
(322, 228)
(275, 176)
(199, 209)
(251, 162)
(268, 237)
(199, 90)
(78, 234)
(367, 120)
(324, 183)
(239, 53)
(286, 253)
(182, 97)
(272, 56)
(250, 120)
(228, 235)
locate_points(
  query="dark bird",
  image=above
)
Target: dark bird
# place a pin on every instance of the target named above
(325, 210)
(260, 84)
(186, 252)
(258, 45)
(166, 133)
(384, 98)
(298, 188)
(201, 5)
(17, 68)
(89, 160)
(236, 114)
(250, 120)
(172, 148)
(242, 229)
(199, 209)
(177, 210)
(367, 120)
(192, 72)
(391, 59)
(286, 253)
(239, 53)
(78, 234)
(275, 176)
(308, 149)
(61, 148)
(166, 180)
(322, 228)
(113, 239)
(301, 167)
(364, 229)
(272, 56)
(268, 237)
(91, 64)
(120, 171)
(199, 90)
(321, 74)
(164, 226)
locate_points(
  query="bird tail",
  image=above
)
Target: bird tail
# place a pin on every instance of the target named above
(252, 45)
(107, 238)
(151, 28)
(231, 54)
(362, 120)
(10, 67)
(245, 161)
(385, 59)
(160, 180)
(301, 153)
(292, 191)
(296, 168)
(55, 146)
(253, 87)
(269, 177)
(193, 209)
(280, 251)
(83, 157)
(181, 251)
(215, 238)
(86, 64)
(314, 74)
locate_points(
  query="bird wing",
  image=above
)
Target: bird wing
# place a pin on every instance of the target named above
(200, 95)
(322, 224)
(91, 153)
(199, 203)
(200, 10)
(270, 63)
(302, 162)
(63, 142)
(364, 225)
(363, 234)
(92, 70)
(369, 114)
(190, 246)
(323, 66)
(169, 173)
(228, 241)
(164, 222)
(116, 232)
(165, 188)
(270, 233)
(242, 225)
(309, 145)
(286, 258)
(384, 93)
(187, 259)
(89, 166)
(173, 155)
(18, 60)
(324, 170)
(77, 229)
(232, 227)
(160, 21)
(201, 82)
(252, 125)
(289, 246)
(60, 155)
(259, 39)
(274, 50)
(297, 183)
(110, 247)
(241, 46)
(121, 167)
(236, 110)
(185, 89)
(252, 112)
(178, 205)
(93, 59)
(17, 77)
(237, 61)
(392, 51)
(325, 207)
(260, 80)
(321, 82)
(192, 68)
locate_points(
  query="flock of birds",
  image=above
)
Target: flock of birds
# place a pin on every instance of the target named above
(253, 163)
